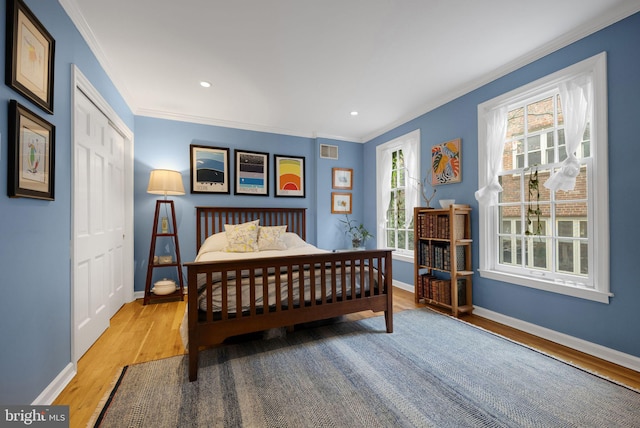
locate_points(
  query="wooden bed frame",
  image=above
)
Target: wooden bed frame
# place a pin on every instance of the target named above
(207, 328)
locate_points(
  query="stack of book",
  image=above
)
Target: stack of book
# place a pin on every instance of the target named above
(439, 290)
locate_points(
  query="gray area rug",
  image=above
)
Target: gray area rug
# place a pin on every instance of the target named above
(432, 371)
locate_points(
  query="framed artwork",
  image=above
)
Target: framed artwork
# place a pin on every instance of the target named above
(446, 163)
(342, 178)
(289, 176)
(29, 56)
(252, 173)
(209, 169)
(31, 154)
(340, 203)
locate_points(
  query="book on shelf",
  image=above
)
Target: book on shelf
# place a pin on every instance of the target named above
(439, 290)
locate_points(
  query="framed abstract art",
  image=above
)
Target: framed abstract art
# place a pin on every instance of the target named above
(446, 163)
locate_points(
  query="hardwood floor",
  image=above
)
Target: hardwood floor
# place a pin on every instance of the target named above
(141, 333)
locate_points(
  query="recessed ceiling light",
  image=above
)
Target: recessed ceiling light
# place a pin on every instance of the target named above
(354, 113)
(205, 84)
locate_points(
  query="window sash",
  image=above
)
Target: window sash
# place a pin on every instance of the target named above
(597, 262)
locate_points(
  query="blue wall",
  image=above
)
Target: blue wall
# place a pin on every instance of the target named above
(163, 143)
(616, 325)
(35, 311)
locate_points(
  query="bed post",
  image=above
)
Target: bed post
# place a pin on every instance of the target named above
(192, 308)
(388, 279)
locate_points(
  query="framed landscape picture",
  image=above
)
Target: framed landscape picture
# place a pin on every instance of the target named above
(31, 169)
(209, 169)
(289, 176)
(252, 173)
(30, 55)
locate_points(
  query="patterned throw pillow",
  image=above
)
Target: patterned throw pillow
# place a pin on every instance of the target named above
(272, 238)
(242, 238)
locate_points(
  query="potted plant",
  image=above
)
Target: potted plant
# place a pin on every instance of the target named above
(359, 234)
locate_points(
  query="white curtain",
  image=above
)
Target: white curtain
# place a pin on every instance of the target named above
(576, 97)
(411, 156)
(384, 178)
(496, 130)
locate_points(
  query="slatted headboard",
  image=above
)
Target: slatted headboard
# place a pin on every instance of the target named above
(211, 220)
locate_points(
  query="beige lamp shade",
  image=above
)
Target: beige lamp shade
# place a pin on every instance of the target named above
(165, 182)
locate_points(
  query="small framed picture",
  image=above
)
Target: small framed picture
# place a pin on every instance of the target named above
(30, 55)
(209, 169)
(446, 163)
(340, 203)
(289, 176)
(252, 173)
(342, 178)
(31, 154)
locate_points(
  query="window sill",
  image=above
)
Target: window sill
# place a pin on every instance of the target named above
(402, 257)
(579, 292)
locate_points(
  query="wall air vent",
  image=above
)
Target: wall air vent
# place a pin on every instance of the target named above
(328, 152)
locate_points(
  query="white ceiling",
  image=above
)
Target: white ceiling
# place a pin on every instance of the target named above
(300, 67)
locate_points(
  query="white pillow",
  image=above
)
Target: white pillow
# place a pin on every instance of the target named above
(242, 238)
(216, 242)
(272, 238)
(292, 240)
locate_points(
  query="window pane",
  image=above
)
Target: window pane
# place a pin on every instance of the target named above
(510, 188)
(584, 258)
(537, 252)
(540, 115)
(411, 242)
(533, 143)
(391, 238)
(562, 148)
(515, 124)
(535, 158)
(509, 215)
(560, 115)
(565, 229)
(402, 239)
(583, 229)
(580, 190)
(506, 255)
(565, 256)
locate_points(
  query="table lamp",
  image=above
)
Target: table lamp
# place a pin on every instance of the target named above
(165, 182)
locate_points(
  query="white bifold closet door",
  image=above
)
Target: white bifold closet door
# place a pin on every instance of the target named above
(98, 223)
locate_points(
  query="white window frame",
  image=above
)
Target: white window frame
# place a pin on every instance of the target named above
(412, 137)
(598, 189)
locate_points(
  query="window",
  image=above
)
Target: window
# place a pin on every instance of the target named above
(398, 175)
(558, 241)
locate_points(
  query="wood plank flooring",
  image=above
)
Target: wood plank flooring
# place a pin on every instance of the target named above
(141, 333)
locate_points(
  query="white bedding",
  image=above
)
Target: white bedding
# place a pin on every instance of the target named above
(213, 251)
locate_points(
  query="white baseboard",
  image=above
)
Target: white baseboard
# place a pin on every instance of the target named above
(403, 285)
(608, 354)
(54, 389)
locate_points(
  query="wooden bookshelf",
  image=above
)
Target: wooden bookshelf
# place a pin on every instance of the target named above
(443, 269)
